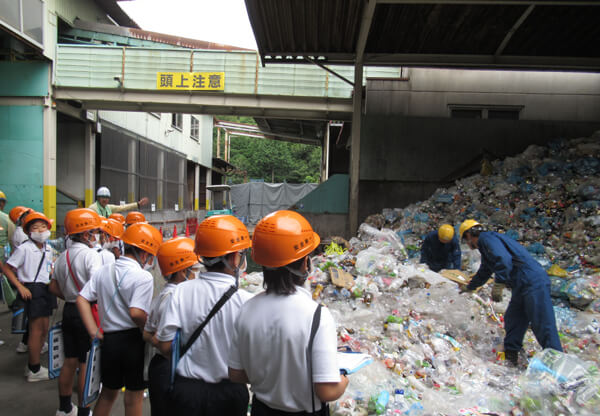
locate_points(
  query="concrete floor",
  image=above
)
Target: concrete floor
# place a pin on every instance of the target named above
(17, 396)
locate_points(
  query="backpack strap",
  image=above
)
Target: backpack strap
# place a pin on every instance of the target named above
(226, 296)
(316, 321)
(71, 273)
(40, 265)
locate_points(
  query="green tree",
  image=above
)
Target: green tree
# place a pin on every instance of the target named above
(270, 160)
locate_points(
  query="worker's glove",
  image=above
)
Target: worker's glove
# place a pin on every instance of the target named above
(497, 291)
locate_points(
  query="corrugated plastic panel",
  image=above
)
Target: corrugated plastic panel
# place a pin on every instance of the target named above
(82, 66)
(239, 68)
(96, 66)
(141, 65)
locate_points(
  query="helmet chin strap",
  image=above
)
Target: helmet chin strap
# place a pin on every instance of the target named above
(137, 257)
(223, 259)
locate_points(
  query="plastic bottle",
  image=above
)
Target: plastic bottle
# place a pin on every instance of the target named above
(382, 401)
(400, 403)
(317, 291)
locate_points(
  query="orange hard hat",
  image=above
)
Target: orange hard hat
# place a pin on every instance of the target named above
(281, 238)
(134, 217)
(143, 236)
(112, 227)
(118, 217)
(35, 216)
(175, 255)
(221, 234)
(17, 211)
(81, 219)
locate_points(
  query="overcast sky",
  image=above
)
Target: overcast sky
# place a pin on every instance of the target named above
(221, 21)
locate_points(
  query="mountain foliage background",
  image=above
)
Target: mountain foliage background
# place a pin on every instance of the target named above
(270, 160)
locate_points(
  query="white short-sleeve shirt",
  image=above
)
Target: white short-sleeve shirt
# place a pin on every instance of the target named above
(106, 256)
(270, 344)
(19, 237)
(26, 260)
(135, 288)
(190, 304)
(158, 307)
(84, 262)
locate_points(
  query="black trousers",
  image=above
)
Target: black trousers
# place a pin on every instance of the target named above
(191, 397)
(159, 373)
(261, 409)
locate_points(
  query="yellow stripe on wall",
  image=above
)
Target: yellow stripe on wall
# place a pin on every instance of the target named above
(89, 197)
(50, 204)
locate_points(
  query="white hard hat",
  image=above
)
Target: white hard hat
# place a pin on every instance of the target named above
(103, 192)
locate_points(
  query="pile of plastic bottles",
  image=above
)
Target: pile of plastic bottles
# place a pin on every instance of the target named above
(438, 352)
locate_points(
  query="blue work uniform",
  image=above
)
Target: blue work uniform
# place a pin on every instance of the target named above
(438, 255)
(530, 302)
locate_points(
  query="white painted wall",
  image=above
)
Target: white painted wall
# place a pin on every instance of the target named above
(157, 128)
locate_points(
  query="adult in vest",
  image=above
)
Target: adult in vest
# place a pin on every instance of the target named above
(104, 209)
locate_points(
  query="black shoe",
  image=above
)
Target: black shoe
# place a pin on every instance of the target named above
(512, 357)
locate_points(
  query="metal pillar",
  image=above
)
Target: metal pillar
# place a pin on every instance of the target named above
(50, 162)
(355, 149)
(160, 182)
(132, 167)
(196, 187)
(90, 164)
(208, 183)
(180, 188)
(325, 156)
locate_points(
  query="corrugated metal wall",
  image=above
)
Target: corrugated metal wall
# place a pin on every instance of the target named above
(115, 171)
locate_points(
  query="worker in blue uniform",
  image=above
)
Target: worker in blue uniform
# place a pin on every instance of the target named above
(440, 249)
(530, 303)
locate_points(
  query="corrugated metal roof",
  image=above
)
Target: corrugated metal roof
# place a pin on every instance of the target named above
(547, 34)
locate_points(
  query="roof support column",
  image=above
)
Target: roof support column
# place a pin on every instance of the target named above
(90, 165)
(357, 99)
(132, 168)
(355, 147)
(49, 177)
(325, 155)
(160, 183)
(208, 183)
(196, 187)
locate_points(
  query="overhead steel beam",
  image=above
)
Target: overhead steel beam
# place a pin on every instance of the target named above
(486, 61)
(365, 28)
(271, 106)
(331, 71)
(513, 29)
(497, 2)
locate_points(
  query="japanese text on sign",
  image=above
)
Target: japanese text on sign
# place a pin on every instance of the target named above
(203, 81)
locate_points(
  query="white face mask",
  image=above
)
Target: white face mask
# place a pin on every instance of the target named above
(40, 237)
(109, 245)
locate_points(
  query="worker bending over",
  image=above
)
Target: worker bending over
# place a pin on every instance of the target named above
(530, 303)
(441, 250)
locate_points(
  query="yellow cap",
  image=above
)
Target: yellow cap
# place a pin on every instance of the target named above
(446, 233)
(466, 225)
(2, 195)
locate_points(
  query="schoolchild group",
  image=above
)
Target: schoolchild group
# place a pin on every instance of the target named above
(279, 343)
